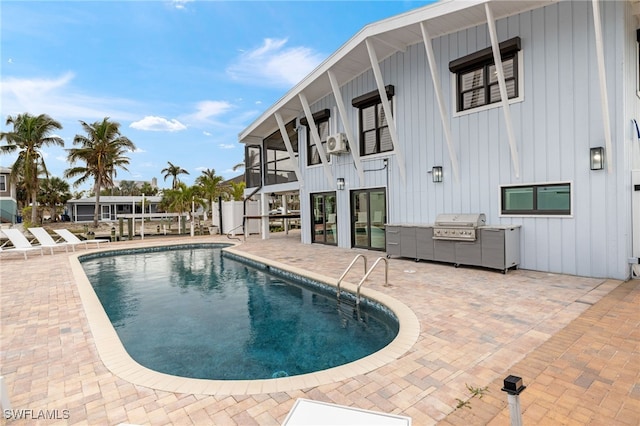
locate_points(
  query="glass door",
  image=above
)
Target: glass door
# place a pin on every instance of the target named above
(368, 216)
(106, 212)
(324, 227)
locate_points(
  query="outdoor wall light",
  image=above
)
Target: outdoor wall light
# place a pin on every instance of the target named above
(340, 183)
(436, 173)
(597, 158)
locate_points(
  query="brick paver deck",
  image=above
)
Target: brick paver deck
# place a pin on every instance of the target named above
(575, 341)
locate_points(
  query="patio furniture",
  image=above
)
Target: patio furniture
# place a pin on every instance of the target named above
(47, 240)
(20, 243)
(71, 238)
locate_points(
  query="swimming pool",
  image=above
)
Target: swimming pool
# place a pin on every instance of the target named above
(193, 312)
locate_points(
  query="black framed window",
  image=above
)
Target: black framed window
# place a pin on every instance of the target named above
(477, 79)
(279, 167)
(3, 183)
(542, 199)
(374, 126)
(252, 166)
(321, 120)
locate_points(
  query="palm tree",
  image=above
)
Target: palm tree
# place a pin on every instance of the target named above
(103, 151)
(147, 189)
(237, 190)
(54, 193)
(30, 133)
(173, 170)
(211, 187)
(179, 200)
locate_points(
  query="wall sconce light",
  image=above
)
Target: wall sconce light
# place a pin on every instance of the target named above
(340, 183)
(597, 158)
(436, 173)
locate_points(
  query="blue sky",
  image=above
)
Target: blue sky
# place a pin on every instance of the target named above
(182, 78)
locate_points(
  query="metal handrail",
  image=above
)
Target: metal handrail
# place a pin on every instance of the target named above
(344, 274)
(235, 238)
(386, 276)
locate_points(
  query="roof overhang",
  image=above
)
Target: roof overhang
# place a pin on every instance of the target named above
(389, 36)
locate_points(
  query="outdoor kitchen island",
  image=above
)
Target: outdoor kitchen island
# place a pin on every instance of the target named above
(457, 239)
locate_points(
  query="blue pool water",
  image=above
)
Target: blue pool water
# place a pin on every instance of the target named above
(194, 312)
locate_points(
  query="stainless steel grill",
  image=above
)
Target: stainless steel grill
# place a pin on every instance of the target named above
(461, 227)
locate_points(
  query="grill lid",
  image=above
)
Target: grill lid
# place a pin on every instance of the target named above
(472, 220)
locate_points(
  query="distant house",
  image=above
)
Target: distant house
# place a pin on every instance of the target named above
(81, 210)
(8, 201)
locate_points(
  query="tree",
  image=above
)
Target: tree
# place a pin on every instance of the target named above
(54, 193)
(237, 190)
(129, 187)
(211, 187)
(102, 151)
(179, 200)
(30, 134)
(173, 170)
(147, 189)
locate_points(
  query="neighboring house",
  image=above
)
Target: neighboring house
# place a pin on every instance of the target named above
(81, 210)
(8, 201)
(570, 73)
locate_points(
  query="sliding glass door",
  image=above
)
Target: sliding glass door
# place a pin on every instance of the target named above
(368, 216)
(324, 227)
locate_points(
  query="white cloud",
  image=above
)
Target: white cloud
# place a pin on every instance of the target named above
(138, 151)
(180, 4)
(275, 64)
(206, 110)
(226, 146)
(206, 133)
(158, 124)
(59, 99)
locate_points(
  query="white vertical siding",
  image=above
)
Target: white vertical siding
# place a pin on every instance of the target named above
(557, 122)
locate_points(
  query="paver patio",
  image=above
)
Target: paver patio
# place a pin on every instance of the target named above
(575, 341)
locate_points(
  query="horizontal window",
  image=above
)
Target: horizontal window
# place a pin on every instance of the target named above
(477, 78)
(544, 199)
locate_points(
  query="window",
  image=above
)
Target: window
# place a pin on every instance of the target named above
(374, 128)
(3, 183)
(321, 120)
(477, 79)
(544, 199)
(278, 166)
(252, 166)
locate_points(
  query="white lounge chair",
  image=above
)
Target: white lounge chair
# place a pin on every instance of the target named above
(47, 240)
(71, 238)
(20, 243)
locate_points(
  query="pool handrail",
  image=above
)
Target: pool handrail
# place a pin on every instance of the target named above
(344, 274)
(386, 276)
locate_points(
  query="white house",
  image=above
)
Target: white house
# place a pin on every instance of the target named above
(546, 141)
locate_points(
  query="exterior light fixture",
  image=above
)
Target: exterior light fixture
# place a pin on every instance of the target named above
(597, 158)
(436, 173)
(340, 183)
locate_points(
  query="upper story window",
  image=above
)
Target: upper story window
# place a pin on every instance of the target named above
(278, 165)
(3, 183)
(543, 199)
(252, 166)
(477, 79)
(374, 127)
(321, 119)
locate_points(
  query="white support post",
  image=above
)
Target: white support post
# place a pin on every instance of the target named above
(444, 117)
(506, 110)
(354, 147)
(316, 139)
(287, 144)
(386, 106)
(604, 98)
(515, 412)
(264, 212)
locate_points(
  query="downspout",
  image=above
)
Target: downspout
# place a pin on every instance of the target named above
(220, 212)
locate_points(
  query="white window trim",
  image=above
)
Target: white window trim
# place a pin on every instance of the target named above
(536, 216)
(519, 98)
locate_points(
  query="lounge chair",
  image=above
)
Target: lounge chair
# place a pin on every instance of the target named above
(20, 243)
(71, 238)
(47, 240)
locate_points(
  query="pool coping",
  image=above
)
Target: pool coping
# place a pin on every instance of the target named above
(117, 360)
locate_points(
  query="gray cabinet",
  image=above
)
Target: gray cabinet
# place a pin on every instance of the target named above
(496, 247)
(500, 247)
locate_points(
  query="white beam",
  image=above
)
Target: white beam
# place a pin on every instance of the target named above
(386, 106)
(287, 144)
(604, 98)
(504, 99)
(354, 147)
(435, 77)
(397, 46)
(316, 139)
